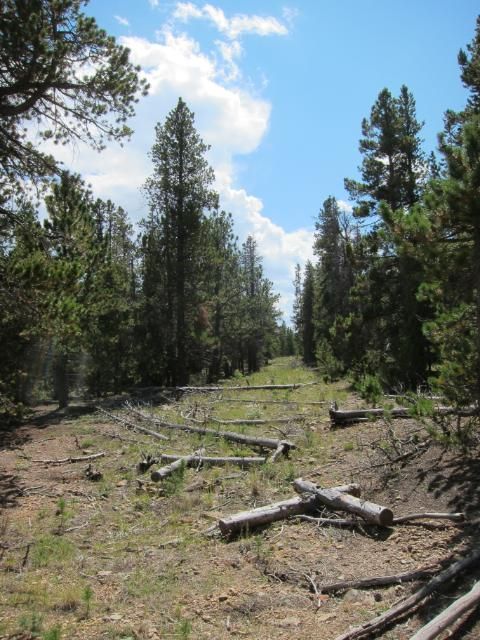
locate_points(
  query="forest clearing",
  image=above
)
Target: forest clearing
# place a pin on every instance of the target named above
(93, 548)
(226, 409)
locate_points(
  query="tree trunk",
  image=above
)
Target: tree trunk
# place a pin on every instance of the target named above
(61, 380)
(369, 511)
(450, 615)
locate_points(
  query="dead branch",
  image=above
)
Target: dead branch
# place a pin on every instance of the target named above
(130, 425)
(410, 604)
(94, 456)
(260, 387)
(450, 615)
(456, 517)
(378, 581)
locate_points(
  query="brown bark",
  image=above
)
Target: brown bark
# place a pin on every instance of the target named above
(369, 511)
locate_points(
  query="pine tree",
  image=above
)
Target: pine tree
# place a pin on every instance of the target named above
(179, 194)
(61, 70)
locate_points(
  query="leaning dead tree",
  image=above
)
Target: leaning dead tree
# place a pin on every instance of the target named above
(231, 436)
(413, 602)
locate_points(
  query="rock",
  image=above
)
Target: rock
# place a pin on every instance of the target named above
(222, 597)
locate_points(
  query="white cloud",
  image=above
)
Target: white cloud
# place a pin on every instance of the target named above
(233, 27)
(344, 206)
(228, 116)
(153, 3)
(280, 249)
(122, 21)
(290, 14)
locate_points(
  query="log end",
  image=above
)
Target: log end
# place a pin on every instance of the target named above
(386, 517)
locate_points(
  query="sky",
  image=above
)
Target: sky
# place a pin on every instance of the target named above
(279, 90)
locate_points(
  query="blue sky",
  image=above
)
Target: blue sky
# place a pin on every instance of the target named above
(279, 90)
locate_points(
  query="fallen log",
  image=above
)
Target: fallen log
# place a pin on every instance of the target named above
(378, 581)
(339, 416)
(450, 615)
(369, 511)
(94, 456)
(179, 462)
(258, 421)
(130, 425)
(258, 387)
(261, 401)
(242, 461)
(410, 604)
(231, 436)
(248, 520)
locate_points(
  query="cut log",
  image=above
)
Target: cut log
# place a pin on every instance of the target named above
(94, 456)
(369, 511)
(378, 581)
(339, 417)
(281, 450)
(231, 436)
(130, 425)
(450, 615)
(242, 461)
(407, 605)
(164, 472)
(248, 520)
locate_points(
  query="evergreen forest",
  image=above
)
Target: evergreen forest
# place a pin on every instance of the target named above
(92, 305)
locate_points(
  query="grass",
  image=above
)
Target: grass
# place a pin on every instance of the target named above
(119, 562)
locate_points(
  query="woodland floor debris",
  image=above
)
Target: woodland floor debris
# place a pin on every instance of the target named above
(142, 549)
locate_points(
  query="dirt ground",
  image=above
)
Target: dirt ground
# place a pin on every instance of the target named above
(124, 558)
